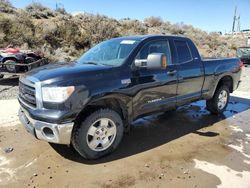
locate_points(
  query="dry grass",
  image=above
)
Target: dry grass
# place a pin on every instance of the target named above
(62, 36)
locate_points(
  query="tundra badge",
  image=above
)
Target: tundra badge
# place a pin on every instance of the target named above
(126, 81)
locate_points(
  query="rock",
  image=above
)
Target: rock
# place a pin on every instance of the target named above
(35, 174)
(146, 165)
(185, 172)
(161, 175)
(8, 150)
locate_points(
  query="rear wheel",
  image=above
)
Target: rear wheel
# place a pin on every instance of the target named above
(29, 60)
(10, 66)
(219, 102)
(99, 134)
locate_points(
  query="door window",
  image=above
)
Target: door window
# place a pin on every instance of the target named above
(155, 47)
(183, 51)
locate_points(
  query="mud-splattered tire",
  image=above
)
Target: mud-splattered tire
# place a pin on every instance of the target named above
(99, 134)
(219, 102)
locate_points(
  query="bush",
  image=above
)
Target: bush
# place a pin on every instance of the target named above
(61, 36)
(38, 11)
(131, 27)
(6, 6)
(153, 21)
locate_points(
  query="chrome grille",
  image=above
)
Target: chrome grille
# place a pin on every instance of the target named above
(27, 94)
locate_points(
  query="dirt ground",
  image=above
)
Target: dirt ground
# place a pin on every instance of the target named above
(183, 148)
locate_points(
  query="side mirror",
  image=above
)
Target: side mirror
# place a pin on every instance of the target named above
(154, 61)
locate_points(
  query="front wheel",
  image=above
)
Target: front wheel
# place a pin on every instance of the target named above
(99, 134)
(219, 102)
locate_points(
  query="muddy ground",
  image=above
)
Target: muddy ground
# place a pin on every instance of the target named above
(183, 148)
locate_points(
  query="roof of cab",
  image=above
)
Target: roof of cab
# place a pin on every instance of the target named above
(143, 37)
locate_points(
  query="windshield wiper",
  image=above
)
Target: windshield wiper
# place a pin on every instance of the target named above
(91, 62)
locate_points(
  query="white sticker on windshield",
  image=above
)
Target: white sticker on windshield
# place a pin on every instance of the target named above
(128, 42)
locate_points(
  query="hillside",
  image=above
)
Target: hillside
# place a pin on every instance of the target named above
(61, 36)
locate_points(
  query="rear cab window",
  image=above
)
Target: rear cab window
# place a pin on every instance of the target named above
(183, 51)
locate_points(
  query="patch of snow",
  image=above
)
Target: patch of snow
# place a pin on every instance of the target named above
(236, 129)
(248, 137)
(5, 172)
(9, 112)
(9, 174)
(240, 149)
(227, 176)
(246, 161)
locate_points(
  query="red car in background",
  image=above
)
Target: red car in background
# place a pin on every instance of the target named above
(14, 60)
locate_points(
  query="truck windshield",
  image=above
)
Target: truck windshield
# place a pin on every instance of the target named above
(112, 52)
(243, 52)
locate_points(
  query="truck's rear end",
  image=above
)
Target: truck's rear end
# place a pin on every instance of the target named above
(228, 69)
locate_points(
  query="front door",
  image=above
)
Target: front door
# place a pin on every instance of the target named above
(156, 90)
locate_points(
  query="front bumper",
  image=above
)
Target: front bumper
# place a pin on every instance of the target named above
(55, 133)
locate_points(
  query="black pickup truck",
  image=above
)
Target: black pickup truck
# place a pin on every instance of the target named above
(92, 101)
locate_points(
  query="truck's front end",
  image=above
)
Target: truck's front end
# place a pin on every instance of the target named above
(42, 122)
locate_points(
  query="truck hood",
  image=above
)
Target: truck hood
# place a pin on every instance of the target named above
(65, 70)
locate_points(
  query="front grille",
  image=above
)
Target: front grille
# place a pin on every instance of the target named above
(27, 94)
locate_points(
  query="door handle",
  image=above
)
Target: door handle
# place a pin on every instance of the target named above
(171, 72)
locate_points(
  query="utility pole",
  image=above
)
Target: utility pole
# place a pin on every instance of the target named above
(234, 19)
(238, 28)
(59, 6)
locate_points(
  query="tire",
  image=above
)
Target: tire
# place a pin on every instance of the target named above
(90, 130)
(1, 76)
(30, 60)
(215, 105)
(12, 68)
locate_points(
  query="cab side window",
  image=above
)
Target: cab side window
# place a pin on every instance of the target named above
(183, 51)
(155, 47)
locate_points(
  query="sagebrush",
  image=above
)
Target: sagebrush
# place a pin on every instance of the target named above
(62, 36)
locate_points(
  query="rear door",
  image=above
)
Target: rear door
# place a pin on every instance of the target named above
(190, 73)
(156, 89)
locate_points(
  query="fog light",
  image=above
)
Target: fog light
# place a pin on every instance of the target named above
(48, 132)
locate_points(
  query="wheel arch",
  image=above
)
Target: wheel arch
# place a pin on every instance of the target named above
(118, 103)
(9, 58)
(225, 80)
(33, 55)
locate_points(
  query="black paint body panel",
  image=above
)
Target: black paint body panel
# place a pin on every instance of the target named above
(148, 91)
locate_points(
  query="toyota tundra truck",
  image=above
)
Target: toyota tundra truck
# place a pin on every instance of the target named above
(91, 102)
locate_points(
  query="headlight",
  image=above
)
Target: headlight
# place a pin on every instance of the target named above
(57, 94)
